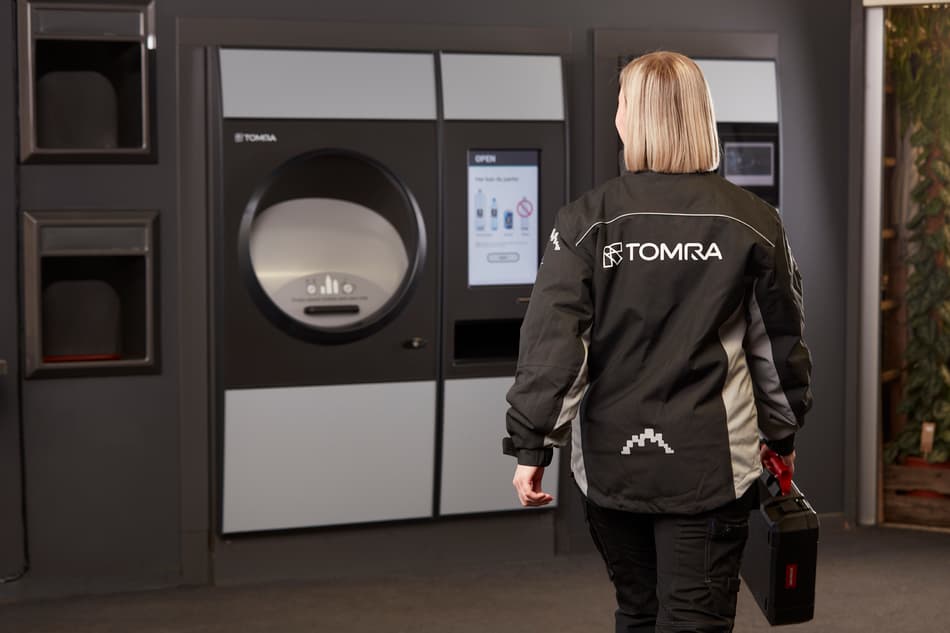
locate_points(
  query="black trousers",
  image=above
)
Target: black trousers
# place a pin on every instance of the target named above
(673, 573)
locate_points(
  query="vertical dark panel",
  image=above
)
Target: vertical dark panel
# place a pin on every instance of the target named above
(12, 554)
(813, 85)
(194, 388)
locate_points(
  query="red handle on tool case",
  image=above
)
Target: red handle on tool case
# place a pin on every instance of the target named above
(777, 466)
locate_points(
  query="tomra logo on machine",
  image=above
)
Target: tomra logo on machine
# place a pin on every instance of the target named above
(648, 435)
(617, 252)
(253, 137)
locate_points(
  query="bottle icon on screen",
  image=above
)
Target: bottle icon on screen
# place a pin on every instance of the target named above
(479, 211)
(494, 215)
(509, 220)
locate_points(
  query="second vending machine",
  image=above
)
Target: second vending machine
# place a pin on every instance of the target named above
(504, 178)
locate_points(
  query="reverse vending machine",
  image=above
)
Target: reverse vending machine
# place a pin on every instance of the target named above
(504, 178)
(745, 96)
(325, 286)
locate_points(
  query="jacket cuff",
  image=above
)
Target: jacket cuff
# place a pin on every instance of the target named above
(527, 456)
(784, 446)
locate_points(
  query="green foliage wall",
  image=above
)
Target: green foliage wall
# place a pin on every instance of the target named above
(919, 58)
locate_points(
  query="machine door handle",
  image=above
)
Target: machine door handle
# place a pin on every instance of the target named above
(3, 367)
(415, 343)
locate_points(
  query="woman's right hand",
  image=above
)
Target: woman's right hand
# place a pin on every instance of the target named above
(527, 483)
(788, 459)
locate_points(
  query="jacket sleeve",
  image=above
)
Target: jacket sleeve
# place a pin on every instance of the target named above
(551, 377)
(778, 358)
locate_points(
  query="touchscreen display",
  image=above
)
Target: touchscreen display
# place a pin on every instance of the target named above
(502, 217)
(749, 164)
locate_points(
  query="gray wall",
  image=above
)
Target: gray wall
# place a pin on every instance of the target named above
(103, 477)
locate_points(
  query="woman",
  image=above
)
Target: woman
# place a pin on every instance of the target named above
(668, 312)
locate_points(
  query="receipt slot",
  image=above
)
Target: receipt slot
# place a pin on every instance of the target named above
(504, 178)
(325, 290)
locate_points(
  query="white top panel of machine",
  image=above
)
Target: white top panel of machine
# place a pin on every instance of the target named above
(298, 84)
(743, 90)
(502, 87)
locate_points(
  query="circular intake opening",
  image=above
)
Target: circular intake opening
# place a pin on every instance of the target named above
(331, 245)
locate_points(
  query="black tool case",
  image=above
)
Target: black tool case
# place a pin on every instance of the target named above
(781, 555)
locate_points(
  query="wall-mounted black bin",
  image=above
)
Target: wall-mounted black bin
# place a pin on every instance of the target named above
(89, 288)
(85, 77)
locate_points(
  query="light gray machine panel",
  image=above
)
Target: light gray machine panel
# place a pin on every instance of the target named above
(304, 84)
(476, 476)
(502, 87)
(743, 90)
(299, 457)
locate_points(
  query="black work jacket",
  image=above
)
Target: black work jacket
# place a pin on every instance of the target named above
(664, 340)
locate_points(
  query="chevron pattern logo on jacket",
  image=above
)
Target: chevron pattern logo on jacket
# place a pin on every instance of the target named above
(648, 435)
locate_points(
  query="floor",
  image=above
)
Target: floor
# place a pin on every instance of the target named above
(870, 579)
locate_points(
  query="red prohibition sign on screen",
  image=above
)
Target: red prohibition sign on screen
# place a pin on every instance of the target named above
(524, 208)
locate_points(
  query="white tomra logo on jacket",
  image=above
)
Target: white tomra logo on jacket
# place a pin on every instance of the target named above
(617, 252)
(555, 236)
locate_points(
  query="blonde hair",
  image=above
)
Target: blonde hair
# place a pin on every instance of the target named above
(670, 122)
